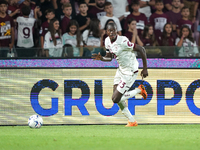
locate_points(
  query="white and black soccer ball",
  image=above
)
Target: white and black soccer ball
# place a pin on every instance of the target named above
(35, 121)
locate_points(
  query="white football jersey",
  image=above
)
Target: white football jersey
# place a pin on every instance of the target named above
(123, 50)
(25, 32)
(54, 51)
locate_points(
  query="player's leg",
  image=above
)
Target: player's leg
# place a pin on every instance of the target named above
(124, 108)
(140, 90)
(116, 98)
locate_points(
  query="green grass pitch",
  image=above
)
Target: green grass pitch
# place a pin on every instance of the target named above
(101, 137)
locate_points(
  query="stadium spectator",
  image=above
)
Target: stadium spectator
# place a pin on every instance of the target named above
(67, 10)
(49, 14)
(82, 18)
(109, 15)
(13, 10)
(168, 5)
(158, 19)
(7, 33)
(90, 2)
(57, 4)
(197, 22)
(53, 40)
(92, 38)
(148, 39)
(73, 37)
(145, 7)
(44, 6)
(191, 5)
(175, 14)
(120, 10)
(148, 36)
(140, 18)
(25, 28)
(185, 12)
(97, 11)
(132, 33)
(167, 39)
(186, 43)
(35, 10)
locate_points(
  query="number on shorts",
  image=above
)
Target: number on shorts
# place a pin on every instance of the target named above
(26, 32)
(123, 84)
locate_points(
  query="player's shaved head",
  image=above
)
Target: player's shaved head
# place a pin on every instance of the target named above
(111, 24)
(111, 30)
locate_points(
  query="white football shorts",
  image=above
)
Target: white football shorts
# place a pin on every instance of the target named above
(124, 81)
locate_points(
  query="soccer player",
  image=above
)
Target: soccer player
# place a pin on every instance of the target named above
(127, 72)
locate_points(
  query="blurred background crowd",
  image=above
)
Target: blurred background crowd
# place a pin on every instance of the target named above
(77, 28)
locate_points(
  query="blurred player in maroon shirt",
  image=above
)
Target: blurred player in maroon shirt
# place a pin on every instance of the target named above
(140, 18)
(158, 19)
(7, 35)
(97, 11)
(49, 14)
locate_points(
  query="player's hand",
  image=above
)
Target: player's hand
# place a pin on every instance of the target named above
(97, 56)
(144, 73)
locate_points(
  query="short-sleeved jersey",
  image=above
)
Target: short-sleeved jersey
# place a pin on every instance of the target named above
(54, 51)
(122, 48)
(94, 12)
(25, 32)
(71, 40)
(64, 24)
(182, 22)
(158, 21)
(90, 40)
(44, 28)
(6, 24)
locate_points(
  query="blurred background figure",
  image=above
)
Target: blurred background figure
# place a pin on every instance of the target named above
(73, 38)
(53, 40)
(185, 42)
(7, 32)
(132, 33)
(25, 32)
(92, 38)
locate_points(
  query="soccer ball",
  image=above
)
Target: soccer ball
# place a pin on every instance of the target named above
(35, 121)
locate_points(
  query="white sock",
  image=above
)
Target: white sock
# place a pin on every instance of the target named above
(130, 94)
(125, 111)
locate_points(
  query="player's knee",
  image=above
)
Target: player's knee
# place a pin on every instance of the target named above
(115, 99)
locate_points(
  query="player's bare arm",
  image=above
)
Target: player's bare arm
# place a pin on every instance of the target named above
(107, 57)
(142, 52)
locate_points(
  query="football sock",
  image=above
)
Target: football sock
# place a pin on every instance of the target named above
(130, 94)
(125, 111)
